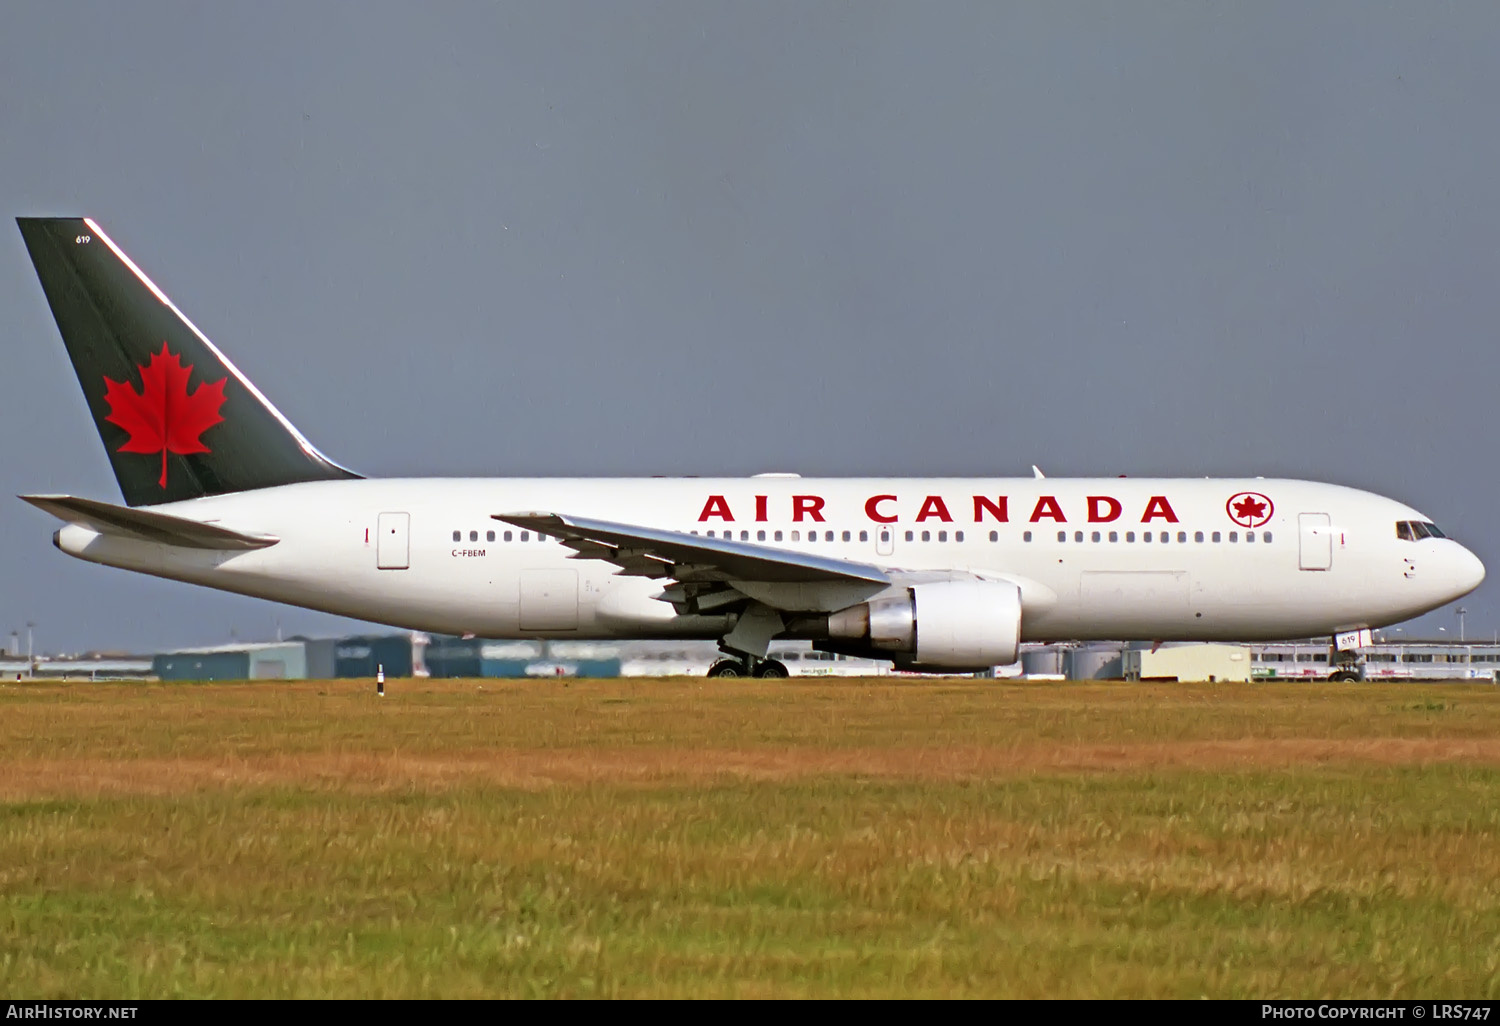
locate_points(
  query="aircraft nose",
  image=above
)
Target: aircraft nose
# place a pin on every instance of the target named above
(1466, 571)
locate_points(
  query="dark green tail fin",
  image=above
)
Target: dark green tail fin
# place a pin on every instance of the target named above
(178, 419)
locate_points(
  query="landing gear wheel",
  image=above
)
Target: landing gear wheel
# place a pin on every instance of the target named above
(772, 669)
(1343, 677)
(729, 668)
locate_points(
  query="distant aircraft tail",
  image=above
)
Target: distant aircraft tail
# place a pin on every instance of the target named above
(178, 419)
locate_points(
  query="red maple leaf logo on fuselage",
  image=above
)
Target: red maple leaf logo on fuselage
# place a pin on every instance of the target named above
(1249, 509)
(164, 416)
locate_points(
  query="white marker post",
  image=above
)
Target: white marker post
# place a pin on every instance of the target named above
(380, 680)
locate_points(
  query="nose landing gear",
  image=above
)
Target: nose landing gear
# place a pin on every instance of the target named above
(1345, 664)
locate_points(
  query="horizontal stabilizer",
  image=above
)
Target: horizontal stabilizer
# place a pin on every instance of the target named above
(163, 528)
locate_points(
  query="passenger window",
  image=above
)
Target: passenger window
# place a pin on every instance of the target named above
(927, 536)
(1234, 536)
(796, 536)
(864, 536)
(1095, 536)
(1197, 536)
(1145, 536)
(828, 536)
(942, 536)
(778, 536)
(846, 536)
(506, 536)
(1249, 536)
(526, 536)
(1114, 536)
(1182, 536)
(760, 536)
(473, 536)
(458, 536)
(909, 536)
(995, 536)
(489, 536)
(958, 536)
(1078, 536)
(1216, 537)
(1165, 537)
(1265, 536)
(540, 536)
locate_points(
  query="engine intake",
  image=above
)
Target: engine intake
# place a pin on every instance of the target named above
(945, 625)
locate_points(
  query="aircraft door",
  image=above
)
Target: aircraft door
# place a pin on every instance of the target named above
(885, 540)
(393, 541)
(1315, 544)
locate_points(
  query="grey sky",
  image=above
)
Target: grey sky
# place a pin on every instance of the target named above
(631, 238)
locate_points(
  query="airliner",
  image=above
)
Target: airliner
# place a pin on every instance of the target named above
(933, 574)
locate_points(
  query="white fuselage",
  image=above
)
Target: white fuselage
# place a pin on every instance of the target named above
(427, 554)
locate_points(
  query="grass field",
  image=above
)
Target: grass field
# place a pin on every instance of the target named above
(746, 838)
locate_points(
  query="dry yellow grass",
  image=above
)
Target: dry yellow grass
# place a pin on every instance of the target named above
(749, 838)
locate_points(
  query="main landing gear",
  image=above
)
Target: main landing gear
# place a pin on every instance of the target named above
(750, 667)
(747, 643)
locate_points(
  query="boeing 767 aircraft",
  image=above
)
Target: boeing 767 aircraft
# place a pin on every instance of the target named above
(934, 574)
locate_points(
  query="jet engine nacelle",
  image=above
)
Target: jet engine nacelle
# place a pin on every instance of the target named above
(944, 625)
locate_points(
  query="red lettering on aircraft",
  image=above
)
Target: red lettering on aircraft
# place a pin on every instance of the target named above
(810, 505)
(999, 509)
(1103, 509)
(1046, 506)
(933, 506)
(716, 506)
(1100, 509)
(1159, 507)
(874, 513)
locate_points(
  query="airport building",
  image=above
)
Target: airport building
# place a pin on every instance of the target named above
(274, 661)
(103, 667)
(418, 655)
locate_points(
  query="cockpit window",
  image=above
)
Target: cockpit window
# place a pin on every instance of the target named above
(1416, 530)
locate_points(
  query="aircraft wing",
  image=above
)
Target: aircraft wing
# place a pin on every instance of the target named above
(652, 552)
(163, 528)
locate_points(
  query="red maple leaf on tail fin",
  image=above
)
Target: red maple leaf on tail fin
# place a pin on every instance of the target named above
(164, 417)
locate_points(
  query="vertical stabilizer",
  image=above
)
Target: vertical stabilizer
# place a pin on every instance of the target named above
(177, 419)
